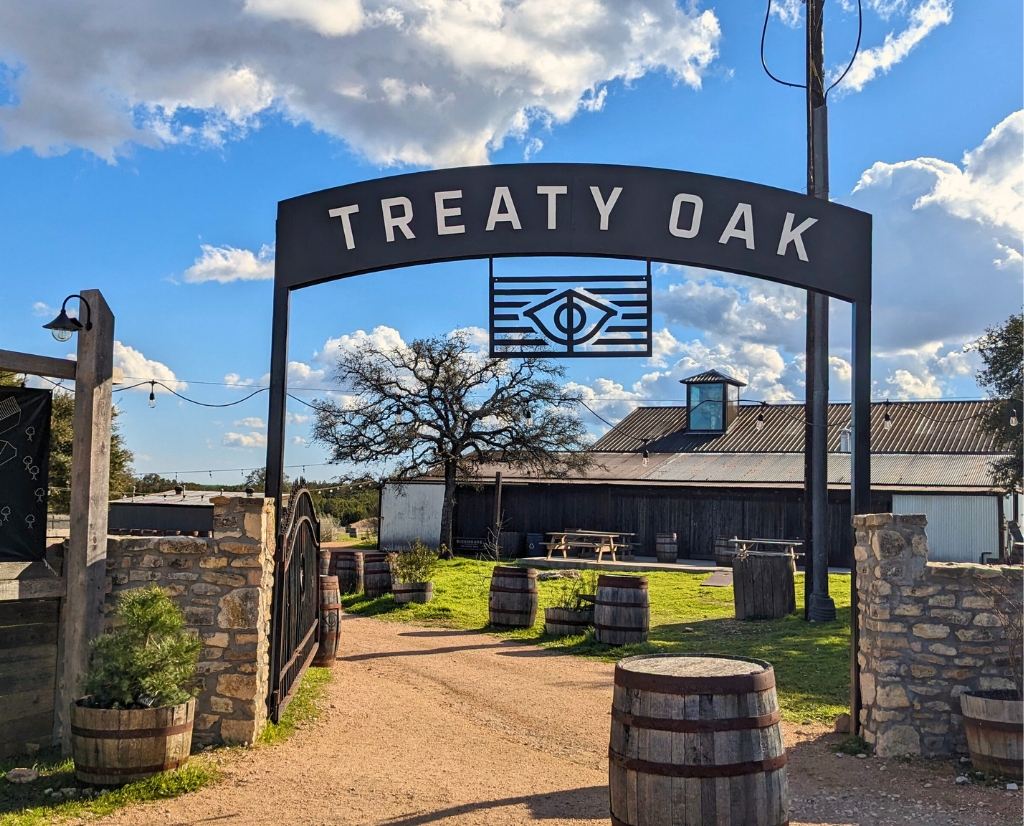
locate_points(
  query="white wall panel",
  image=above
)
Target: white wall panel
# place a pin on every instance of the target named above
(410, 512)
(960, 528)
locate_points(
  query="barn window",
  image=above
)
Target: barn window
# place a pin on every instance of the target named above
(712, 399)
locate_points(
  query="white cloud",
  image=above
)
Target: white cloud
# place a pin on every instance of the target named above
(402, 81)
(235, 380)
(244, 440)
(382, 338)
(225, 264)
(43, 310)
(138, 368)
(251, 421)
(297, 418)
(870, 63)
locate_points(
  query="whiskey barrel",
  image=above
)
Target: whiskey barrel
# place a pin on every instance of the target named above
(724, 552)
(763, 585)
(695, 739)
(994, 722)
(376, 575)
(512, 601)
(348, 568)
(666, 547)
(112, 748)
(420, 592)
(622, 611)
(562, 622)
(330, 622)
(325, 562)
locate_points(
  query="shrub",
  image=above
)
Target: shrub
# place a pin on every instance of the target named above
(148, 661)
(577, 593)
(414, 565)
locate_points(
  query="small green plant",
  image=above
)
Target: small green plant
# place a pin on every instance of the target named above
(146, 662)
(854, 744)
(417, 564)
(576, 593)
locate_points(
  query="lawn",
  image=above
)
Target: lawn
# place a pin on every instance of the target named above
(811, 660)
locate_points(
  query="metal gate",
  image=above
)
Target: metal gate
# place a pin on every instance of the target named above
(295, 633)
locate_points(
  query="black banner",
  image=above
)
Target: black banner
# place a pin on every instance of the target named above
(24, 472)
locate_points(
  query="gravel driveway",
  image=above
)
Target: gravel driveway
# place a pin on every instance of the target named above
(428, 726)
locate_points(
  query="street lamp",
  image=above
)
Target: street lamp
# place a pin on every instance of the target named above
(64, 326)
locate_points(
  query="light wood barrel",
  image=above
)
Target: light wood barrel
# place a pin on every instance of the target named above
(348, 568)
(112, 748)
(622, 610)
(330, 622)
(666, 547)
(325, 562)
(376, 575)
(695, 740)
(561, 622)
(420, 592)
(513, 599)
(994, 724)
(763, 585)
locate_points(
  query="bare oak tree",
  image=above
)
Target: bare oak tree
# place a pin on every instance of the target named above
(437, 406)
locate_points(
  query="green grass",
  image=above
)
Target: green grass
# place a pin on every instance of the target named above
(811, 660)
(304, 708)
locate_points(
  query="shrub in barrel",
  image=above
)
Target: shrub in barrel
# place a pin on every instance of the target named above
(622, 610)
(573, 611)
(136, 719)
(512, 600)
(411, 571)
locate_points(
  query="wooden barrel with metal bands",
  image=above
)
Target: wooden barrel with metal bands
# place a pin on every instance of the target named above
(330, 622)
(666, 547)
(995, 731)
(376, 575)
(622, 612)
(348, 568)
(562, 622)
(512, 601)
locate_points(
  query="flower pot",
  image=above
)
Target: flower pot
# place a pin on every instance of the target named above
(412, 591)
(994, 721)
(113, 747)
(563, 622)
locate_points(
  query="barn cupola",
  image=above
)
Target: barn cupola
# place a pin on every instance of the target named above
(712, 401)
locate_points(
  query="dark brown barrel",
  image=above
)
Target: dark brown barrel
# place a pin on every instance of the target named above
(561, 622)
(666, 547)
(724, 552)
(112, 748)
(330, 622)
(995, 731)
(695, 739)
(348, 568)
(412, 592)
(622, 610)
(376, 575)
(512, 602)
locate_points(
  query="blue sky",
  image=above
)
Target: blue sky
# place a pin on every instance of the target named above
(144, 150)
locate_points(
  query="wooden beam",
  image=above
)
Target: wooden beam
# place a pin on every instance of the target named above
(86, 561)
(37, 365)
(14, 589)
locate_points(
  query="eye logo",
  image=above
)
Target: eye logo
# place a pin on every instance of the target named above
(575, 317)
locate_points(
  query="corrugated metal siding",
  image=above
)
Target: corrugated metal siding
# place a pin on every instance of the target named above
(917, 427)
(959, 528)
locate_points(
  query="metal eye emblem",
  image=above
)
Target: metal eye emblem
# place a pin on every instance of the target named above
(570, 318)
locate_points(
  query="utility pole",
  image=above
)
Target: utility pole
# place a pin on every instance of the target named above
(819, 606)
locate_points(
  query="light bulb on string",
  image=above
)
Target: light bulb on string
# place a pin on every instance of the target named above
(529, 417)
(152, 394)
(1013, 417)
(886, 420)
(645, 454)
(759, 422)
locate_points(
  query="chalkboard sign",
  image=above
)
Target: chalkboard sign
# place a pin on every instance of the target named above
(24, 472)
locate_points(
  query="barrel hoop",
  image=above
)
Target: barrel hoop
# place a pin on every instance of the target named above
(668, 684)
(326, 606)
(643, 605)
(703, 771)
(617, 822)
(1007, 765)
(130, 734)
(511, 613)
(158, 767)
(497, 589)
(994, 725)
(575, 623)
(600, 627)
(694, 726)
(611, 581)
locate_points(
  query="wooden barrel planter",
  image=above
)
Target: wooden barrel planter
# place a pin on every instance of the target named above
(666, 547)
(112, 748)
(695, 739)
(622, 610)
(994, 722)
(412, 592)
(330, 622)
(376, 575)
(724, 552)
(348, 568)
(562, 622)
(763, 585)
(512, 601)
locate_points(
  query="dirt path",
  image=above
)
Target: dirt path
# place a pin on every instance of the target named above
(453, 728)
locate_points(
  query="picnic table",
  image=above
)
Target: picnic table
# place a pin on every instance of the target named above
(600, 542)
(726, 549)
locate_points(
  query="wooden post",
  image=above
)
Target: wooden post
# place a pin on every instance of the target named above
(85, 565)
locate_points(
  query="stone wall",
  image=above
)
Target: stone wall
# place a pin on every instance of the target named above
(929, 631)
(223, 586)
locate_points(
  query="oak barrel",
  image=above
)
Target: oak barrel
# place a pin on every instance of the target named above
(112, 747)
(325, 562)
(412, 591)
(724, 552)
(622, 610)
(763, 585)
(994, 722)
(330, 622)
(666, 547)
(512, 601)
(348, 568)
(695, 740)
(376, 575)
(563, 622)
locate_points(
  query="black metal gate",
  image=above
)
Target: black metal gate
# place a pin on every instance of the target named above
(295, 632)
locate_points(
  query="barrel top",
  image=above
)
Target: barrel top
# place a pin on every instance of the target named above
(507, 570)
(614, 581)
(694, 674)
(692, 666)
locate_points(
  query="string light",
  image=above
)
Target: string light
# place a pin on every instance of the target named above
(1013, 417)
(759, 421)
(152, 394)
(645, 455)
(529, 417)
(886, 420)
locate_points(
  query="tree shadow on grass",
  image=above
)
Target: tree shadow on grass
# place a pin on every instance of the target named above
(580, 804)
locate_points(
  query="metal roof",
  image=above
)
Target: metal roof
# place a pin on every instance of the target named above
(712, 377)
(944, 427)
